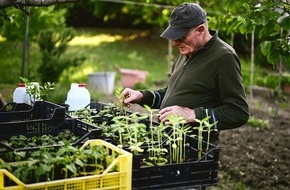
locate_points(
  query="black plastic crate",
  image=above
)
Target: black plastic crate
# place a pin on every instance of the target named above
(82, 130)
(41, 127)
(13, 106)
(98, 106)
(41, 110)
(189, 174)
(97, 116)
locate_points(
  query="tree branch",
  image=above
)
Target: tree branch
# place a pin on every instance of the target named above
(37, 3)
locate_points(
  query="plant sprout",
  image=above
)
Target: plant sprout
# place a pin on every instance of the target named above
(201, 128)
(130, 131)
(155, 149)
(177, 138)
(37, 93)
(120, 105)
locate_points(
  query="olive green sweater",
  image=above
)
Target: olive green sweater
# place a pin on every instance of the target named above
(210, 83)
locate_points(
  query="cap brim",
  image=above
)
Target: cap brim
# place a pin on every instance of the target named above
(172, 33)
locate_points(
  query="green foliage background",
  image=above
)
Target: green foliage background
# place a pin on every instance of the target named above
(269, 19)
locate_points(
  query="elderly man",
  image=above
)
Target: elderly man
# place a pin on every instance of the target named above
(205, 79)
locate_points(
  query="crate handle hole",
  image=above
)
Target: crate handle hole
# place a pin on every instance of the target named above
(175, 173)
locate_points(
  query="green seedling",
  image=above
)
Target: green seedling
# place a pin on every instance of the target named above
(37, 93)
(120, 96)
(47, 164)
(204, 126)
(155, 150)
(177, 139)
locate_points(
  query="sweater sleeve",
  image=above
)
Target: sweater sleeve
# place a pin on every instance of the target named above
(152, 99)
(233, 110)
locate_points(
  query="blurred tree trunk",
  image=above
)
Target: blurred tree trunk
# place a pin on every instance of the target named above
(20, 3)
(252, 65)
(25, 51)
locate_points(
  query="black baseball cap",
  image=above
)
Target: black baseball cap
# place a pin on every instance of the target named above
(182, 19)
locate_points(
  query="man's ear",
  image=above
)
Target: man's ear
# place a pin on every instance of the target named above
(200, 29)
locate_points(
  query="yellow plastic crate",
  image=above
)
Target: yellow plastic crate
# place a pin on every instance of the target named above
(120, 180)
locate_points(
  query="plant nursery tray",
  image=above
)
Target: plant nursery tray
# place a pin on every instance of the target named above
(109, 179)
(82, 130)
(13, 106)
(100, 106)
(93, 113)
(96, 114)
(41, 110)
(192, 173)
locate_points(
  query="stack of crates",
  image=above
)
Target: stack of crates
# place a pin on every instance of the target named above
(192, 174)
(46, 118)
(40, 119)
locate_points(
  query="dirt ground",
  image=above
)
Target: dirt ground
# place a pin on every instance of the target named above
(259, 158)
(253, 158)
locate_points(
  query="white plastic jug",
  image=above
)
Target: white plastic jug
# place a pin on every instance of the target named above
(85, 96)
(78, 97)
(19, 93)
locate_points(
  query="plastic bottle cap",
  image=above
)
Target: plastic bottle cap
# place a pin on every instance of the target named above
(82, 85)
(21, 85)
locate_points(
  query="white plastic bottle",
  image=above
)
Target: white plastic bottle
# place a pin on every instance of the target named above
(19, 93)
(72, 97)
(85, 96)
(78, 97)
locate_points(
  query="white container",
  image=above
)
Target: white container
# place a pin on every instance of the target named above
(72, 97)
(85, 96)
(102, 81)
(78, 97)
(19, 93)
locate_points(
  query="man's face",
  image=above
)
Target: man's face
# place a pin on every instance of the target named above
(191, 42)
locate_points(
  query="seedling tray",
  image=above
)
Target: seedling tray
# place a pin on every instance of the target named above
(98, 117)
(191, 173)
(109, 180)
(13, 106)
(100, 106)
(79, 128)
(41, 110)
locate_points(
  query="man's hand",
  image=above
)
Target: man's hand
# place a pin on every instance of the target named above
(185, 112)
(130, 96)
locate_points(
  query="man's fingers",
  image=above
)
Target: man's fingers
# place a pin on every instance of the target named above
(164, 113)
